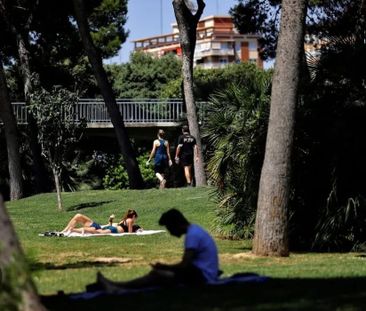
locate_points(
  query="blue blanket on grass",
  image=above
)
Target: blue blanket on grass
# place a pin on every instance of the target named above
(238, 278)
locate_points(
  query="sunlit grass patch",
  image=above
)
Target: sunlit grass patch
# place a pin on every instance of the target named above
(69, 264)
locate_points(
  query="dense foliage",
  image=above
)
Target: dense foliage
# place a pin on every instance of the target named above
(325, 18)
(235, 131)
(56, 51)
(210, 81)
(116, 175)
(331, 180)
(144, 76)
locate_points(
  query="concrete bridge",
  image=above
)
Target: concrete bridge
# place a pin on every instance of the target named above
(153, 113)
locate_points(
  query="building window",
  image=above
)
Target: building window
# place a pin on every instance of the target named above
(237, 46)
(224, 46)
(253, 60)
(216, 45)
(252, 46)
(223, 61)
(203, 46)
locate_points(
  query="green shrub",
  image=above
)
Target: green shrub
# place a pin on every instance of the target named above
(116, 175)
(85, 171)
(341, 226)
(116, 178)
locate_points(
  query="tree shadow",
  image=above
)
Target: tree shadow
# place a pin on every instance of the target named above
(76, 265)
(87, 205)
(275, 294)
(361, 256)
(243, 248)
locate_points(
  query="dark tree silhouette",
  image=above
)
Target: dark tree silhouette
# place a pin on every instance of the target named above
(11, 136)
(20, 30)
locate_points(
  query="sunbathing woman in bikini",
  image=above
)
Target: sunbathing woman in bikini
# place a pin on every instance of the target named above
(89, 226)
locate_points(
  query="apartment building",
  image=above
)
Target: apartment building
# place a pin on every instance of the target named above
(218, 44)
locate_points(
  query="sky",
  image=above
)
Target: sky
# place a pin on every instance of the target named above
(148, 18)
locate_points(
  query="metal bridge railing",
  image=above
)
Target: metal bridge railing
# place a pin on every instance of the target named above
(133, 111)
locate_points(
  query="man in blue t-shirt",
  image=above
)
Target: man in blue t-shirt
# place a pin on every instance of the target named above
(199, 264)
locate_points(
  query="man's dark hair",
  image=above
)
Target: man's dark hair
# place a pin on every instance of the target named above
(173, 217)
(185, 129)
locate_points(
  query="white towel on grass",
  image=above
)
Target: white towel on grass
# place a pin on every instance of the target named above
(87, 235)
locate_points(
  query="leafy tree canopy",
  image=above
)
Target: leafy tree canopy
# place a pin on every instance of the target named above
(209, 81)
(325, 18)
(55, 46)
(144, 76)
(59, 127)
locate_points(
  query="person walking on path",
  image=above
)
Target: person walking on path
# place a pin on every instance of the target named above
(160, 152)
(184, 154)
(199, 264)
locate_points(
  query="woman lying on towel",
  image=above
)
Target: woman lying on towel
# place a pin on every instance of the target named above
(127, 224)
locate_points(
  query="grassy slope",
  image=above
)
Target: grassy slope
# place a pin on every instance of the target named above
(69, 264)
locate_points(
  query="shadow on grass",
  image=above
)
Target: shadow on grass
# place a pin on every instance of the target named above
(75, 265)
(87, 205)
(243, 249)
(276, 294)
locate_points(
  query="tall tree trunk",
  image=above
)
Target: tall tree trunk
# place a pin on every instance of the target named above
(17, 291)
(271, 227)
(12, 142)
(58, 188)
(187, 25)
(39, 171)
(133, 170)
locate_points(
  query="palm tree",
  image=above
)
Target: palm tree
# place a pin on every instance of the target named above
(235, 131)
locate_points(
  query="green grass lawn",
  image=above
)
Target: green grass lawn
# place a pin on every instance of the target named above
(303, 281)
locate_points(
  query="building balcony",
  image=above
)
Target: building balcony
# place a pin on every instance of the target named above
(214, 52)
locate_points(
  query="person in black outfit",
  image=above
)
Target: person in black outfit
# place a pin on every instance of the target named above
(184, 154)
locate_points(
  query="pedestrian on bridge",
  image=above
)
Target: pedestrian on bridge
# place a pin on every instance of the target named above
(160, 152)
